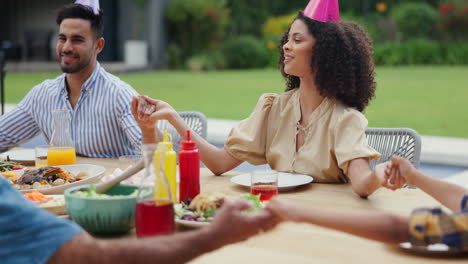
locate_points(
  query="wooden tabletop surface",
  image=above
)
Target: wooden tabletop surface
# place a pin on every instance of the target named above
(303, 243)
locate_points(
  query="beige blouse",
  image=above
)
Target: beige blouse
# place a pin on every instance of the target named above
(334, 136)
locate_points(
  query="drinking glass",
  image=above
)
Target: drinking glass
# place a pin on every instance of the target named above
(128, 161)
(154, 213)
(62, 148)
(265, 183)
(41, 155)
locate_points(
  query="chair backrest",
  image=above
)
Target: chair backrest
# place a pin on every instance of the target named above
(403, 142)
(195, 120)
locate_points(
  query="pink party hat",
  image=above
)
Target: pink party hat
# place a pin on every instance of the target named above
(322, 10)
(94, 4)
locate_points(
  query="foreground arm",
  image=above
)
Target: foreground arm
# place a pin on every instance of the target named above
(230, 225)
(372, 225)
(446, 193)
(217, 160)
(179, 248)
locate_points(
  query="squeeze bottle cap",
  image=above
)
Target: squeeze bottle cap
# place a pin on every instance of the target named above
(168, 144)
(188, 144)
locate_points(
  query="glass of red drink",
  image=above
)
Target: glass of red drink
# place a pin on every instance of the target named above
(265, 183)
(154, 217)
(154, 212)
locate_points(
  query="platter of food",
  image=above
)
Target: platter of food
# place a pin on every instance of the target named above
(54, 180)
(201, 210)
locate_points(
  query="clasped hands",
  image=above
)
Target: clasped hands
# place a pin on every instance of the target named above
(147, 111)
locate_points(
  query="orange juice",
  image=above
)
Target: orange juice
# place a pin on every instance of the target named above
(61, 156)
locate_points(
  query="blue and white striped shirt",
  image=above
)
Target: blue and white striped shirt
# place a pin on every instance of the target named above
(101, 124)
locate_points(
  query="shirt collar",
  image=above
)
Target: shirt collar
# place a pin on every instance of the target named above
(316, 114)
(87, 85)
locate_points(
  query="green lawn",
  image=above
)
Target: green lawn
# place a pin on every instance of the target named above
(427, 99)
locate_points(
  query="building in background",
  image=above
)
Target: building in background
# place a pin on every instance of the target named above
(28, 31)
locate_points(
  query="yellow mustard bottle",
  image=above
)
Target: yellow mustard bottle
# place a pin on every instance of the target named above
(170, 166)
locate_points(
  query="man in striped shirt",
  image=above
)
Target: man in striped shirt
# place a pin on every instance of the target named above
(101, 124)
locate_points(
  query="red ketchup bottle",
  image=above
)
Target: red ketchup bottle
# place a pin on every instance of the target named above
(189, 170)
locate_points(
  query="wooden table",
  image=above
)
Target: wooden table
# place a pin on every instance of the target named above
(303, 243)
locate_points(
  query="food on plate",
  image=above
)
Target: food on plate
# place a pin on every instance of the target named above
(54, 203)
(91, 193)
(9, 165)
(44, 177)
(204, 206)
(37, 197)
(205, 202)
(58, 202)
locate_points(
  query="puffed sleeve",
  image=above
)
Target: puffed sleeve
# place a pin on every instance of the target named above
(246, 141)
(350, 139)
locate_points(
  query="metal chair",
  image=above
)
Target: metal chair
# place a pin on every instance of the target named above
(195, 120)
(403, 142)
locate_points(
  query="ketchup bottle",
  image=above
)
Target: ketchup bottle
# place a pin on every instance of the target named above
(189, 170)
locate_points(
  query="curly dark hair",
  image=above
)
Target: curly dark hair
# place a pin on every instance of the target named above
(83, 12)
(342, 61)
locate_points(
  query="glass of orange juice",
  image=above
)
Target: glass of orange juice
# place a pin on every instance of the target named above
(61, 156)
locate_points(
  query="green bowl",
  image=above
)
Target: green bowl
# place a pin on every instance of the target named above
(114, 215)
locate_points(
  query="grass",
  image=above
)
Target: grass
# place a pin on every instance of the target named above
(428, 99)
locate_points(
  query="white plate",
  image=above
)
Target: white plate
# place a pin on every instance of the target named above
(286, 181)
(58, 209)
(434, 249)
(194, 224)
(23, 156)
(95, 173)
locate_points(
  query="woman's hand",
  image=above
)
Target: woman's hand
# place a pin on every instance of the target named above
(284, 209)
(388, 179)
(402, 170)
(163, 111)
(142, 110)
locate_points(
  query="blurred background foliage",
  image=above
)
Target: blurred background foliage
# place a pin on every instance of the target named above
(241, 34)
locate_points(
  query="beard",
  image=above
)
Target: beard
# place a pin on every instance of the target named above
(73, 67)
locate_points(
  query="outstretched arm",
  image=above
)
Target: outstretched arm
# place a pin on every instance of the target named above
(230, 225)
(372, 225)
(217, 160)
(446, 193)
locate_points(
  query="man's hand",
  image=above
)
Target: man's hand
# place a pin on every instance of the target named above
(231, 224)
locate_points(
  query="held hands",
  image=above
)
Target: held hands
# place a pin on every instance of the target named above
(285, 210)
(147, 111)
(231, 224)
(386, 179)
(400, 171)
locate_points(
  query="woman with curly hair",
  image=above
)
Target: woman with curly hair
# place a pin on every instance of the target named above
(316, 127)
